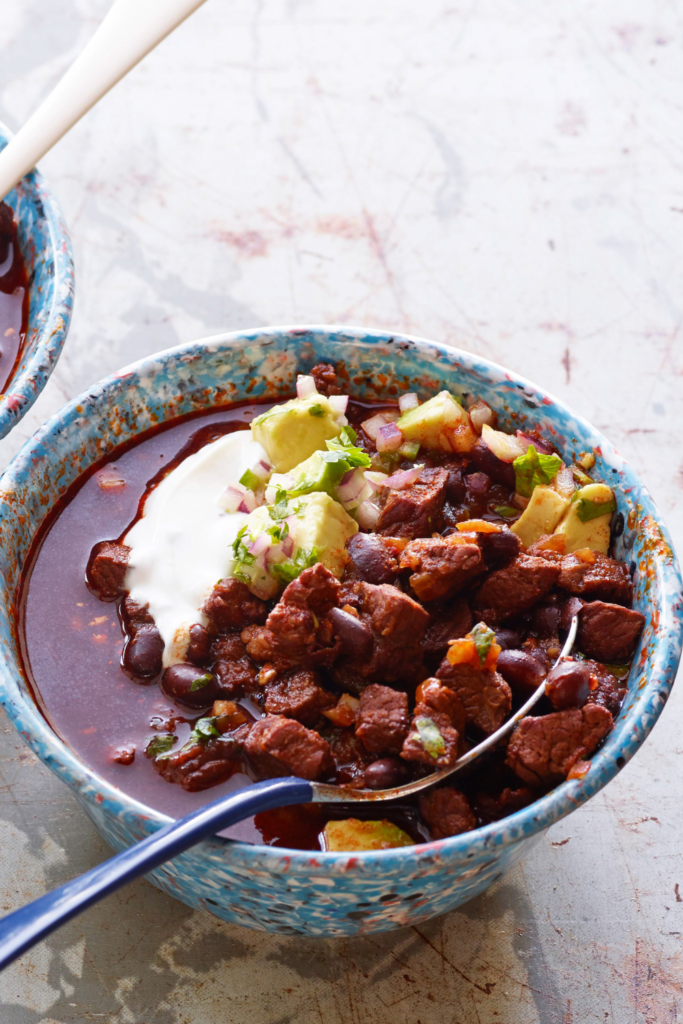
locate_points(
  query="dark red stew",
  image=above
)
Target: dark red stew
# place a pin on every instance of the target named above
(444, 621)
(13, 297)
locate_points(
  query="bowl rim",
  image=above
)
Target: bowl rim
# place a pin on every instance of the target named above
(25, 387)
(529, 821)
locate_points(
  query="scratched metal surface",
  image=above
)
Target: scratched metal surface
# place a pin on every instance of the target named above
(503, 176)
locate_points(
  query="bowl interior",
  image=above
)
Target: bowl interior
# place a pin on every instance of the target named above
(264, 363)
(46, 250)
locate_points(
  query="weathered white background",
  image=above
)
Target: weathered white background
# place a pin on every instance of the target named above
(505, 176)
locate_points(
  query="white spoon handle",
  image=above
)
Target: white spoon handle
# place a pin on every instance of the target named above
(129, 31)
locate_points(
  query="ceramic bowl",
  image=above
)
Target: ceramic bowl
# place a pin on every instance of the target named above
(46, 249)
(303, 892)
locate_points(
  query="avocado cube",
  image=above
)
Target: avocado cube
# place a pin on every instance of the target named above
(583, 525)
(354, 836)
(314, 474)
(544, 511)
(441, 423)
(290, 433)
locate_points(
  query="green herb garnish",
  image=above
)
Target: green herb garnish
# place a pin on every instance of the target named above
(287, 571)
(159, 745)
(430, 737)
(587, 509)
(483, 638)
(240, 551)
(278, 533)
(250, 480)
(204, 730)
(619, 671)
(507, 511)
(343, 448)
(200, 682)
(533, 469)
(316, 410)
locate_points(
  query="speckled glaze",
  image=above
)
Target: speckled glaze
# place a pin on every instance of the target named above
(46, 248)
(293, 891)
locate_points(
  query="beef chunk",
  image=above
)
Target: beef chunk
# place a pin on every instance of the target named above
(235, 676)
(298, 695)
(282, 746)
(441, 566)
(134, 615)
(349, 755)
(233, 606)
(516, 588)
(397, 625)
(373, 559)
(542, 751)
(106, 572)
(492, 808)
(609, 693)
(325, 377)
(198, 766)
(608, 632)
(599, 577)
(498, 548)
(485, 695)
(435, 696)
(446, 622)
(417, 510)
(298, 631)
(382, 719)
(432, 739)
(446, 812)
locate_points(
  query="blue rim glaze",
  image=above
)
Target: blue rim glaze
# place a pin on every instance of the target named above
(46, 249)
(296, 891)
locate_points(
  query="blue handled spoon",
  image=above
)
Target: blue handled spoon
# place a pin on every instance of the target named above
(25, 927)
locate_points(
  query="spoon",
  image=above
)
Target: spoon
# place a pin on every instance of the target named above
(25, 927)
(129, 31)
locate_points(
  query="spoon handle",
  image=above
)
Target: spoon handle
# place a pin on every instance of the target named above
(24, 927)
(129, 31)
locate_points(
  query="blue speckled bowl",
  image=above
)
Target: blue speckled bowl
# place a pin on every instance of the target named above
(46, 248)
(292, 891)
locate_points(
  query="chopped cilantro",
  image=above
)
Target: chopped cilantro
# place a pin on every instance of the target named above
(316, 410)
(200, 682)
(160, 744)
(343, 448)
(287, 571)
(204, 730)
(250, 480)
(278, 533)
(430, 737)
(507, 511)
(240, 550)
(533, 469)
(619, 671)
(483, 638)
(587, 510)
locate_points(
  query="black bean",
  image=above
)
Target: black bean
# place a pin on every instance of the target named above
(178, 680)
(570, 608)
(478, 484)
(523, 672)
(355, 636)
(455, 487)
(373, 561)
(142, 653)
(508, 638)
(386, 773)
(568, 684)
(545, 620)
(498, 548)
(199, 647)
(484, 459)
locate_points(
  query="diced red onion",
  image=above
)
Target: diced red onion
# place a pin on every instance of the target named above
(540, 446)
(305, 386)
(404, 478)
(351, 485)
(409, 401)
(262, 469)
(248, 502)
(233, 497)
(371, 426)
(564, 482)
(375, 480)
(261, 544)
(338, 403)
(506, 447)
(287, 546)
(367, 515)
(480, 414)
(389, 438)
